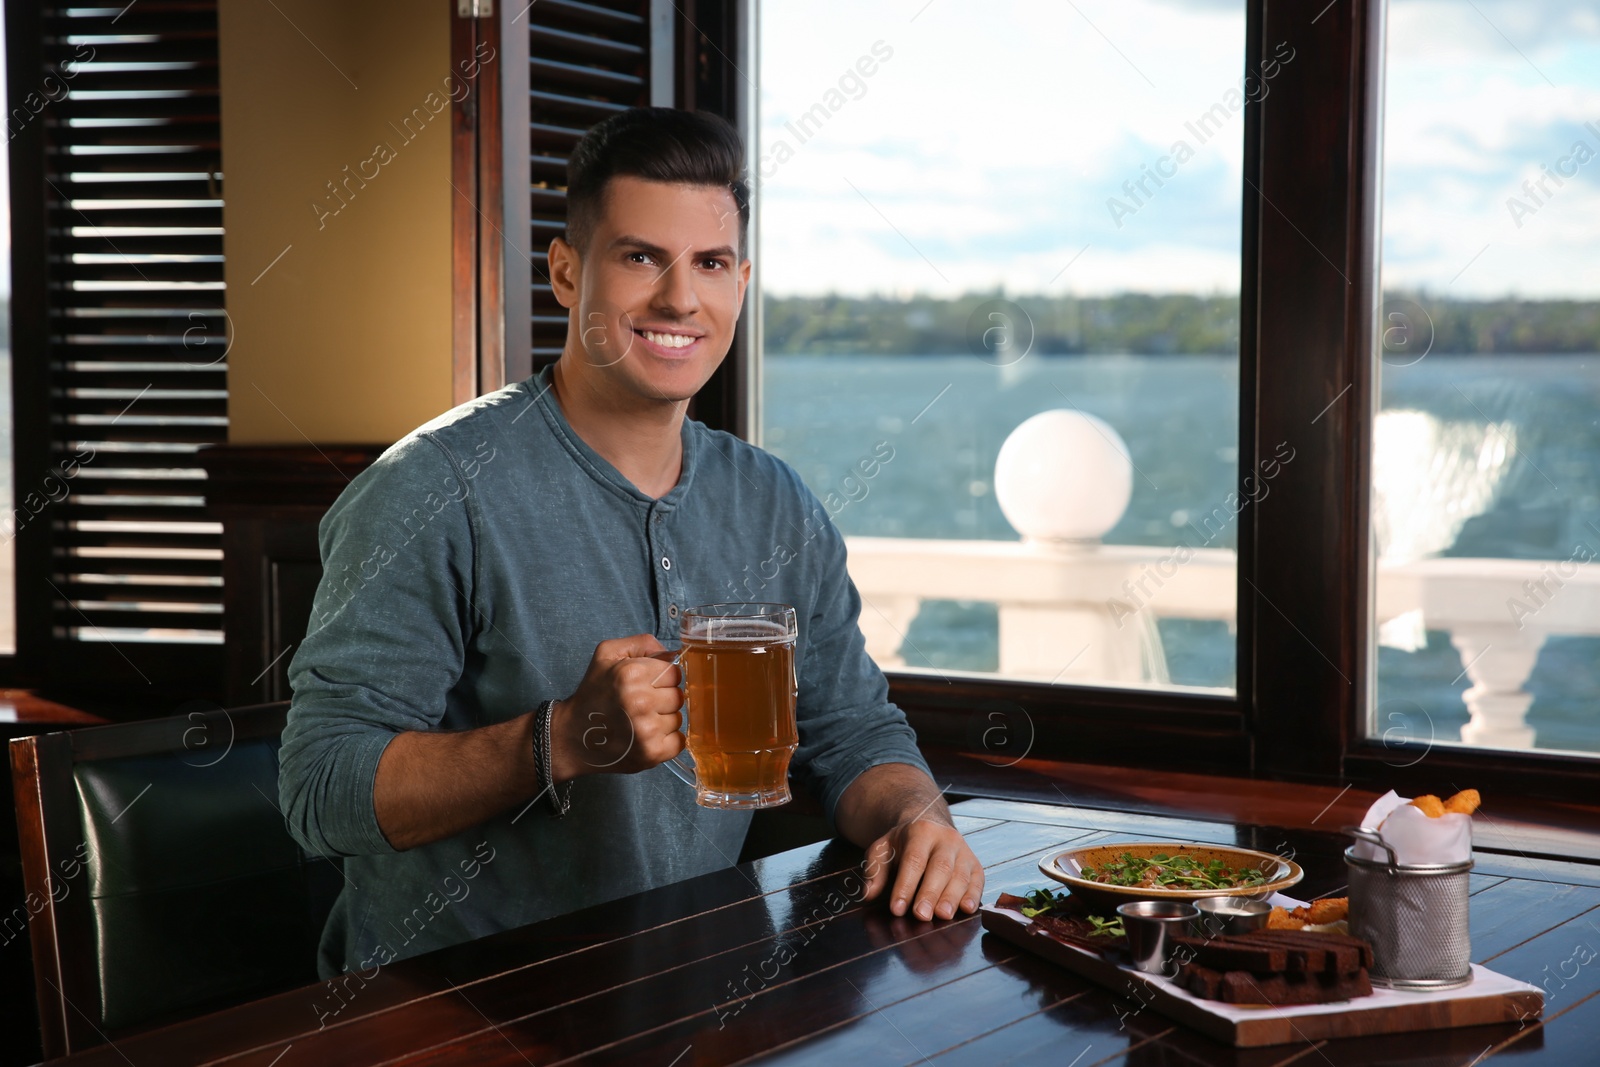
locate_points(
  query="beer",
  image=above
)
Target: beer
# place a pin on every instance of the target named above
(740, 686)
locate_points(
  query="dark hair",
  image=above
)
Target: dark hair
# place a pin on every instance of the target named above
(659, 144)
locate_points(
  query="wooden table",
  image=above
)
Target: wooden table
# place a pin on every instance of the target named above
(776, 962)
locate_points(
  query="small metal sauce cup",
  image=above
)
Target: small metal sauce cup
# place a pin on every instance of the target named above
(1151, 925)
(1230, 915)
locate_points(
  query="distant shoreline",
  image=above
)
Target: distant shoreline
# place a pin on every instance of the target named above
(1148, 324)
(1066, 356)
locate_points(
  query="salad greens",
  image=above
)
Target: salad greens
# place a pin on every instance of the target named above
(1042, 900)
(1108, 927)
(1172, 872)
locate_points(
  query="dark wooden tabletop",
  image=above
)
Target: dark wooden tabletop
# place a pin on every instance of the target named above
(778, 962)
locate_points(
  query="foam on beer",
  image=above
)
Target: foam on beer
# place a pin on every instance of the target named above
(743, 631)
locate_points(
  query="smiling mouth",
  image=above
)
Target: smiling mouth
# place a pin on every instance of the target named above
(668, 340)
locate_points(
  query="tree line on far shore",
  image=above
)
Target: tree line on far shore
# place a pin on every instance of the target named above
(1145, 324)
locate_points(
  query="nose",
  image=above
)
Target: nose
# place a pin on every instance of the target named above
(675, 292)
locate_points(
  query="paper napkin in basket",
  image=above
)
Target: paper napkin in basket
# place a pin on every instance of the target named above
(1414, 836)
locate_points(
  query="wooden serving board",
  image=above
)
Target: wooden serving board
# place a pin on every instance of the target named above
(1490, 998)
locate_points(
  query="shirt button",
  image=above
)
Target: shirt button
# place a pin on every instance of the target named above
(666, 564)
(672, 611)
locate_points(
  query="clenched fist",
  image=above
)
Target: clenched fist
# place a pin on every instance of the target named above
(625, 716)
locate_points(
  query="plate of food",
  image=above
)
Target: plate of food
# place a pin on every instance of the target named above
(1123, 871)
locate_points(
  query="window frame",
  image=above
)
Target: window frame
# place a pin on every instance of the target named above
(1309, 301)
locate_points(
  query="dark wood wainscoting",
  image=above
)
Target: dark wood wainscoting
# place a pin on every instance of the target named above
(269, 500)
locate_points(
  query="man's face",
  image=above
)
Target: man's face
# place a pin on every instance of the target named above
(654, 299)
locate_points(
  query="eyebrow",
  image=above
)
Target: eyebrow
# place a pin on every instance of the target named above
(629, 240)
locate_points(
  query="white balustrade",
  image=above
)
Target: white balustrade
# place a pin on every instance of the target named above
(1086, 613)
(1074, 610)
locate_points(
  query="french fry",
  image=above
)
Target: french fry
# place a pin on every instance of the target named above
(1463, 803)
(1431, 805)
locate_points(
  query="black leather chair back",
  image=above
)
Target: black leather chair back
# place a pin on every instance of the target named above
(173, 886)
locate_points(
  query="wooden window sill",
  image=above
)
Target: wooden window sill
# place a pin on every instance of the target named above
(1532, 828)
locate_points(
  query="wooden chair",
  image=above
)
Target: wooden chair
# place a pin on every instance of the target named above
(160, 879)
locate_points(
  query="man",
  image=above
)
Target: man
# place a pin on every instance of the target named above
(510, 570)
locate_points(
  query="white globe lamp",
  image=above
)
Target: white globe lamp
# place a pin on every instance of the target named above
(1063, 476)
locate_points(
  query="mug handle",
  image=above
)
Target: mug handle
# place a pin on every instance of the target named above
(685, 776)
(684, 771)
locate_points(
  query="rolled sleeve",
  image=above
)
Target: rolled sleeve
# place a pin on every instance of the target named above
(385, 644)
(847, 723)
(327, 792)
(849, 766)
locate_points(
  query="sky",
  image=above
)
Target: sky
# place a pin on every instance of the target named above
(994, 151)
(1478, 100)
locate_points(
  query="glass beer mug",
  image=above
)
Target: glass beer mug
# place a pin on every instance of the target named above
(739, 703)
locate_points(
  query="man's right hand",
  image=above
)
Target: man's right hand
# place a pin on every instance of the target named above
(626, 714)
(623, 718)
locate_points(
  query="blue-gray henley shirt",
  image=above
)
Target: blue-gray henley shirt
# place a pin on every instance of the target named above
(468, 575)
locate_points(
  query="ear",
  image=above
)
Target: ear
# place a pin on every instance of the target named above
(566, 267)
(744, 279)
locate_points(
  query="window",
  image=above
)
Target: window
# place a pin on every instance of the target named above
(1001, 307)
(1486, 453)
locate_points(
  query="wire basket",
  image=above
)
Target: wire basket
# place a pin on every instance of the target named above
(1415, 916)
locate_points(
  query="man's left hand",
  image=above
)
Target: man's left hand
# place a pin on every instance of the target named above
(929, 867)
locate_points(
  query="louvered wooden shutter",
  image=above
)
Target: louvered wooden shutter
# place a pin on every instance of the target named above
(586, 61)
(120, 582)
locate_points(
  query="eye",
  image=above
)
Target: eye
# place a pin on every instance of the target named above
(714, 263)
(637, 257)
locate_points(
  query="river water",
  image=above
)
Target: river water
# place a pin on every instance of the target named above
(1503, 451)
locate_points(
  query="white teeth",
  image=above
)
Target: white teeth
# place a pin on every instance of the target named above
(669, 340)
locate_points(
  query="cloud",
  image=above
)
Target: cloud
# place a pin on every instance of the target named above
(1468, 119)
(1002, 174)
(1447, 27)
(991, 146)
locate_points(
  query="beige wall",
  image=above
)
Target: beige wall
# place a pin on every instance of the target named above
(346, 338)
